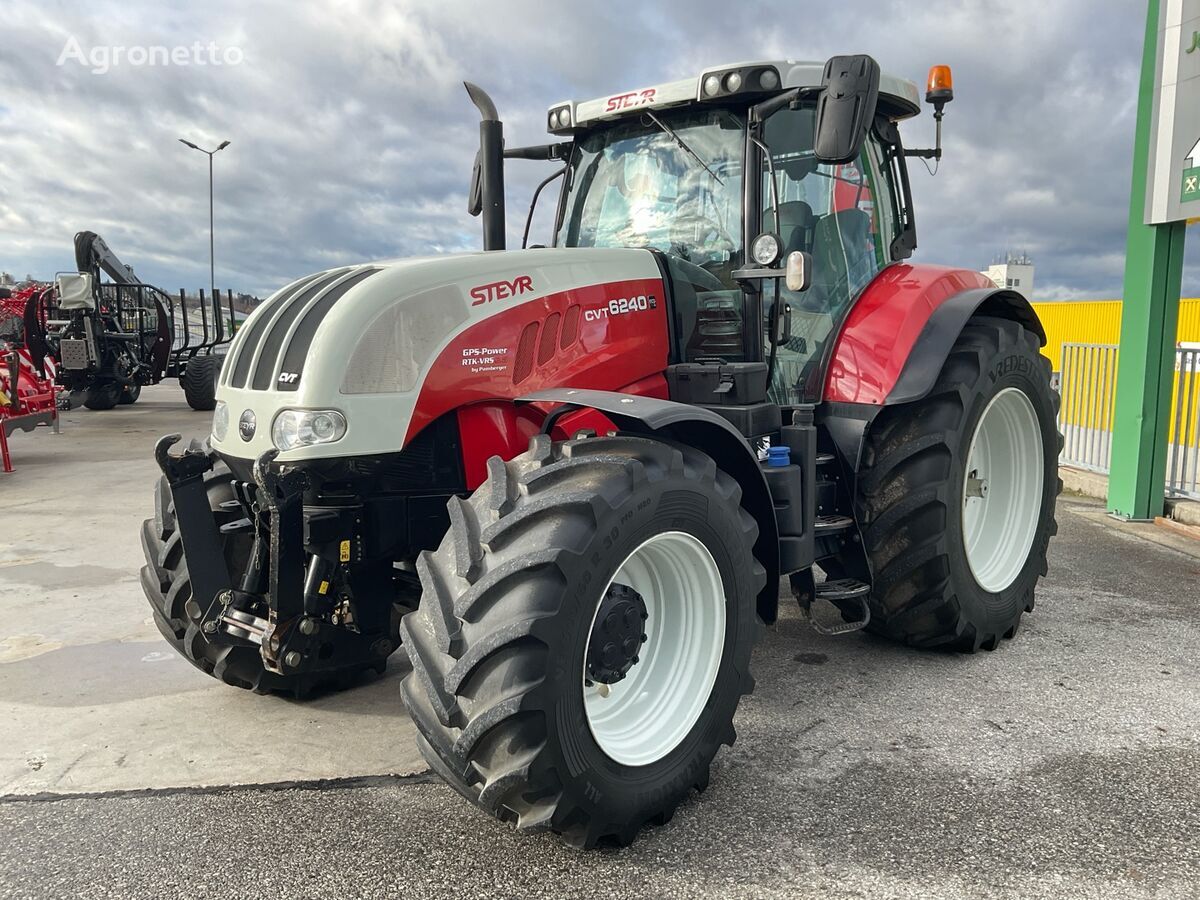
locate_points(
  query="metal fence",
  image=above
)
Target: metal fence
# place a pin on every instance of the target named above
(1088, 382)
(1183, 458)
(1088, 386)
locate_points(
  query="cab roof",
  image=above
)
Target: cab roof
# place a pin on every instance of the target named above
(898, 97)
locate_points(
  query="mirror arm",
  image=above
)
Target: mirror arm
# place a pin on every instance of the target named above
(541, 152)
(537, 192)
(760, 112)
(774, 187)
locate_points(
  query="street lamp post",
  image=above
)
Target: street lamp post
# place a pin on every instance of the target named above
(212, 270)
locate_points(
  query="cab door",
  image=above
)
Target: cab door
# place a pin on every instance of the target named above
(846, 217)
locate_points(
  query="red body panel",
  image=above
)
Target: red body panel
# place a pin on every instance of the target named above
(883, 326)
(600, 337)
(501, 428)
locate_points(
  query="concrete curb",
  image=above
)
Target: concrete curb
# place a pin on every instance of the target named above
(1186, 512)
(1094, 484)
(1080, 481)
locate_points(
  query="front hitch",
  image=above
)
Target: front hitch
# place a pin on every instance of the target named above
(286, 580)
(198, 529)
(281, 494)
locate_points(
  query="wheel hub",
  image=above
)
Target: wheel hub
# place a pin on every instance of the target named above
(617, 635)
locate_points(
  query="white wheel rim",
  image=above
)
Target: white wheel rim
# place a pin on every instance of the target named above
(644, 716)
(1002, 490)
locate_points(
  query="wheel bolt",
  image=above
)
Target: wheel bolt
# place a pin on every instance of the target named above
(292, 659)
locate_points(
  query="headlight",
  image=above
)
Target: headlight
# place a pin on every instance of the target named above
(304, 427)
(765, 249)
(564, 117)
(220, 420)
(733, 81)
(712, 85)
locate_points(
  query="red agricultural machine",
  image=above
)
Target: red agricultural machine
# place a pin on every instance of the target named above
(28, 397)
(569, 481)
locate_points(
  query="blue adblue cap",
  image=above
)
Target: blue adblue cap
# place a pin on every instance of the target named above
(778, 456)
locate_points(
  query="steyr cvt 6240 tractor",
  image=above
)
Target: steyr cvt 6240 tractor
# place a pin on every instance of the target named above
(569, 480)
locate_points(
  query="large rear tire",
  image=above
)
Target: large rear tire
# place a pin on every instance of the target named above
(957, 493)
(199, 382)
(168, 587)
(529, 697)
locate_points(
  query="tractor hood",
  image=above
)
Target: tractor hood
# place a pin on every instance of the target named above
(362, 340)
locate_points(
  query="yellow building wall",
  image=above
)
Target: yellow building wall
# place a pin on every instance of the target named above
(1099, 322)
(1088, 399)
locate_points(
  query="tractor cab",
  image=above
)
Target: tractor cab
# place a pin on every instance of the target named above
(730, 175)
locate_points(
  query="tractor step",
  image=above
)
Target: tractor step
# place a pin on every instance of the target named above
(842, 589)
(837, 592)
(832, 524)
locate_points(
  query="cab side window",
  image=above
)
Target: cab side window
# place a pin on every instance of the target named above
(844, 216)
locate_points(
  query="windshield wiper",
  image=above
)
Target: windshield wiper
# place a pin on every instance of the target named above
(682, 146)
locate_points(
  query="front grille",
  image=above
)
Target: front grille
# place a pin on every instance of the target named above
(239, 371)
(297, 351)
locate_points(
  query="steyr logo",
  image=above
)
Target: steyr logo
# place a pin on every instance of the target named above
(498, 290)
(630, 100)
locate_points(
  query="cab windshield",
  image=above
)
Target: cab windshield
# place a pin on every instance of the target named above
(634, 185)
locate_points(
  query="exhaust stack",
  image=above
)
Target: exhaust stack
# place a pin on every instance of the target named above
(487, 181)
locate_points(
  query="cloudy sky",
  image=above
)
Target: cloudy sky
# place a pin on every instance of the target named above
(352, 139)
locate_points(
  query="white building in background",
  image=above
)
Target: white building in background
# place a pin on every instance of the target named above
(1013, 270)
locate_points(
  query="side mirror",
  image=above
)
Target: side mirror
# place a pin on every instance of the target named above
(798, 272)
(846, 108)
(475, 191)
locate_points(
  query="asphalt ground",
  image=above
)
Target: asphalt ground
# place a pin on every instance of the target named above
(1064, 764)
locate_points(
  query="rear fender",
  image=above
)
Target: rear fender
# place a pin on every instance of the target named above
(897, 337)
(704, 430)
(899, 332)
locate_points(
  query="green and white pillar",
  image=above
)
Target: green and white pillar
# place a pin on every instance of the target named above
(1162, 197)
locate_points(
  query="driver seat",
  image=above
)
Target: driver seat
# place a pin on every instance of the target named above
(796, 225)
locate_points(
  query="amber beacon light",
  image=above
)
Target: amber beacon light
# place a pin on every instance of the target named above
(940, 88)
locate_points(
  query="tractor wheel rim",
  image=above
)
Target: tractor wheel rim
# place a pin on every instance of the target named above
(1002, 490)
(641, 718)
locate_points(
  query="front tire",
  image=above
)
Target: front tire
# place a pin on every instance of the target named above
(541, 569)
(957, 493)
(103, 395)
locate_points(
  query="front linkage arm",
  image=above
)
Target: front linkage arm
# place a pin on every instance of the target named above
(198, 529)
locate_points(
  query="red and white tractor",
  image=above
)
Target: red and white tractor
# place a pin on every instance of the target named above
(569, 480)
